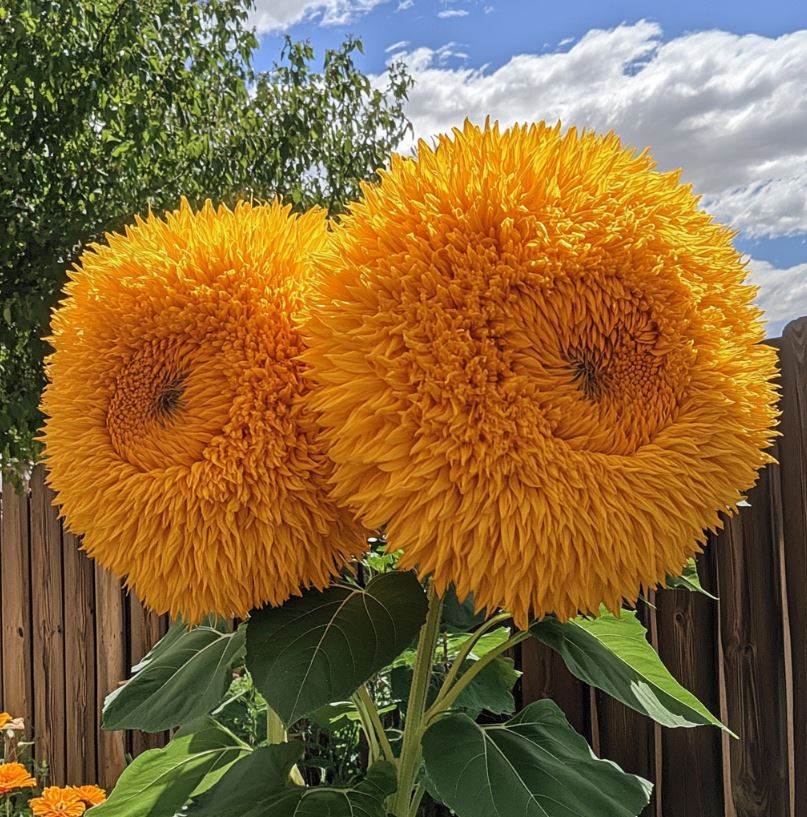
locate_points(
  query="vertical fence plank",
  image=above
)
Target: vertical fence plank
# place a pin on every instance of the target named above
(145, 630)
(545, 676)
(793, 476)
(110, 663)
(753, 657)
(48, 628)
(79, 581)
(625, 736)
(691, 758)
(16, 658)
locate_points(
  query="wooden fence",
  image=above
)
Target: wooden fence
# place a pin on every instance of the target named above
(69, 635)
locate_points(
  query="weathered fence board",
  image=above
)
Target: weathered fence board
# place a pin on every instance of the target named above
(69, 633)
(793, 493)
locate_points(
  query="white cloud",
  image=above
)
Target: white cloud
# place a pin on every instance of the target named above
(396, 46)
(453, 13)
(276, 15)
(730, 110)
(403, 5)
(782, 293)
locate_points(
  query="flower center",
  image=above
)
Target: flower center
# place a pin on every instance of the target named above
(586, 374)
(169, 397)
(168, 402)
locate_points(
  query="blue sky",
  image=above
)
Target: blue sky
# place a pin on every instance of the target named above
(714, 88)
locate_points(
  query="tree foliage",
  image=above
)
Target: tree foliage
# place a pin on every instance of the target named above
(111, 107)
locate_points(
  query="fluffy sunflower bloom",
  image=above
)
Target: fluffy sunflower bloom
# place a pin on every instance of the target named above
(58, 802)
(178, 437)
(91, 795)
(14, 776)
(538, 363)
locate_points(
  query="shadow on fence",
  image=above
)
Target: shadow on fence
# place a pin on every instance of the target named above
(69, 635)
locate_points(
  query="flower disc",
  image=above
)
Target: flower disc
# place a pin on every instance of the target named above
(179, 439)
(538, 363)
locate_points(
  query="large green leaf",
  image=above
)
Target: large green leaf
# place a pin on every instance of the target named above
(613, 654)
(535, 765)
(689, 580)
(322, 646)
(186, 675)
(159, 782)
(259, 786)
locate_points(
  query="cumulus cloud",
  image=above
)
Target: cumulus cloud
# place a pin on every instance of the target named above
(276, 15)
(782, 293)
(729, 109)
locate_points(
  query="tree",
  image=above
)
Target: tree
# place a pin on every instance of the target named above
(111, 107)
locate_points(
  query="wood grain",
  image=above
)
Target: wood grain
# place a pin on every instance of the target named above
(792, 452)
(753, 660)
(79, 639)
(16, 639)
(111, 670)
(691, 758)
(48, 629)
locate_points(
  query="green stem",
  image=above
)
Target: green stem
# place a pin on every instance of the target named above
(374, 750)
(276, 733)
(411, 755)
(417, 798)
(369, 712)
(467, 649)
(447, 697)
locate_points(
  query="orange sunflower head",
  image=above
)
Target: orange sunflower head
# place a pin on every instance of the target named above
(14, 776)
(58, 802)
(178, 437)
(538, 363)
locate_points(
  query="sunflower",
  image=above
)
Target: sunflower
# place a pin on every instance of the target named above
(178, 437)
(15, 776)
(4, 719)
(57, 802)
(539, 365)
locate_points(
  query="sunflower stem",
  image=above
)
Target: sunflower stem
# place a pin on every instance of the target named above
(417, 798)
(447, 697)
(276, 733)
(467, 648)
(369, 712)
(411, 753)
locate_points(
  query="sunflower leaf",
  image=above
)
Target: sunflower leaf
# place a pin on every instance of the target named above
(614, 655)
(159, 782)
(534, 765)
(187, 674)
(689, 580)
(259, 786)
(322, 646)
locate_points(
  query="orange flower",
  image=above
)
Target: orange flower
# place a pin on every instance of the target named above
(10, 724)
(179, 439)
(57, 802)
(91, 795)
(538, 362)
(15, 776)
